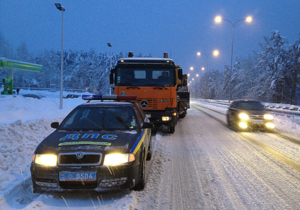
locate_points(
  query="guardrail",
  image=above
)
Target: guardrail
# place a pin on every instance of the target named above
(49, 89)
(279, 108)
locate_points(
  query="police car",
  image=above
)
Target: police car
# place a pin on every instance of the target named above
(99, 146)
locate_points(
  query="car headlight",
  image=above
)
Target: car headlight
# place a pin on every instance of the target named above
(243, 125)
(117, 159)
(45, 159)
(243, 116)
(268, 117)
(270, 125)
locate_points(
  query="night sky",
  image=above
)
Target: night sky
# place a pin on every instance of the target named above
(179, 27)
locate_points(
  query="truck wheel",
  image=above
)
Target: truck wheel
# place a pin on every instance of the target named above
(142, 179)
(182, 115)
(171, 129)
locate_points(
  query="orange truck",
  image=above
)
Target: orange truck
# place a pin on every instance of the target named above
(156, 82)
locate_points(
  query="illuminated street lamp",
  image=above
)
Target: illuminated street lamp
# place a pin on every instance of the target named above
(219, 19)
(191, 68)
(61, 8)
(214, 53)
(202, 68)
(188, 74)
(197, 75)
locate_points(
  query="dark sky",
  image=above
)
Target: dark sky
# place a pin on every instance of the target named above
(179, 27)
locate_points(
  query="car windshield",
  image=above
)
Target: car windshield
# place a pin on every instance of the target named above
(99, 118)
(250, 105)
(145, 77)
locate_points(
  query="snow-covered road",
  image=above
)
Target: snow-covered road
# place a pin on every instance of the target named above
(203, 165)
(212, 167)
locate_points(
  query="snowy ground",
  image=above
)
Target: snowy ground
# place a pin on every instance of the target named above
(204, 165)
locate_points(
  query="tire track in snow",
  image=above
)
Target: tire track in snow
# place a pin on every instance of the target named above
(273, 152)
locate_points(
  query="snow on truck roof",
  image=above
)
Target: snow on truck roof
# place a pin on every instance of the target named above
(140, 60)
(145, 58)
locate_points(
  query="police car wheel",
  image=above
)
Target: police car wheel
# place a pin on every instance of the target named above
(36, 189)
(149, 151)
(142, 180)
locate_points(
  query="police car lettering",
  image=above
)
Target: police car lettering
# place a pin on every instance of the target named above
(92, 135)
(109, 137)
(84, 142)
(70, 136)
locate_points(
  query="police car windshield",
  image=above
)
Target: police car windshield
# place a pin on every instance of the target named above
(145, 77)
(250, 105)
(99, 118)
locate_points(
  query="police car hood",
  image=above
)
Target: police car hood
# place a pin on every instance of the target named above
(89, 141)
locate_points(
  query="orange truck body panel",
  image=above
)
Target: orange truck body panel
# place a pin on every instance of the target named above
(157, 99)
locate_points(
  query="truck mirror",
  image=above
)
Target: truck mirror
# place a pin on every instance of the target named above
(180, 74)
(184, 80)
(111, 78)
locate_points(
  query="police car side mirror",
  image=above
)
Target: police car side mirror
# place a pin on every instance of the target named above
(147, 125)
(54, 124)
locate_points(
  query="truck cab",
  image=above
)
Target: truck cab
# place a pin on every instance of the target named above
(154, 81)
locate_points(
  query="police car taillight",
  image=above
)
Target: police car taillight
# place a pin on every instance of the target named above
(109, 97)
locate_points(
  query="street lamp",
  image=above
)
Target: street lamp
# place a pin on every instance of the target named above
(215, 53)
(110, 46)
(191, 68)
(61, 8)
(218, 19)
(202, 68)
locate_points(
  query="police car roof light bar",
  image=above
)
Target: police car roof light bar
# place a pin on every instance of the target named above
(109, 97)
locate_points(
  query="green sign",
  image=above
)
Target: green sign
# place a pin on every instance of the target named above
(11, 64)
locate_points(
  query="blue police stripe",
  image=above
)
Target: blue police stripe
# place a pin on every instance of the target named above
(138, 141)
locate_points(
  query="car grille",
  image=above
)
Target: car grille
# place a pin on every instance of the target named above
(79, 159)
(257, 117)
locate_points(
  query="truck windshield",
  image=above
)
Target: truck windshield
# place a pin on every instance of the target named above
(145, 77)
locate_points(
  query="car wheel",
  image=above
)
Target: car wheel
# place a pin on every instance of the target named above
(149, 155)
(229, 123)
(142, 180)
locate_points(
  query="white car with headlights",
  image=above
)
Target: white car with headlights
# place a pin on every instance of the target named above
(248, 115)
(99, 146)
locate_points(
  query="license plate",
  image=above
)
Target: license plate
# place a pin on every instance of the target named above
(77, 176)
(148, 115)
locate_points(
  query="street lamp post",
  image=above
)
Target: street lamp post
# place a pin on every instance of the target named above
(110, 46)
(215, 53)
(61, 8)
(218, 19)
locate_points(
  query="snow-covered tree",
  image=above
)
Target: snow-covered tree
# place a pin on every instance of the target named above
(293, 71)
(272, 66)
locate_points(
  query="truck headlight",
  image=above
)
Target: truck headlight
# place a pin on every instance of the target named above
(45, 159)
(268, 117)
(117, 159)
(165, 118)
(243, 116)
